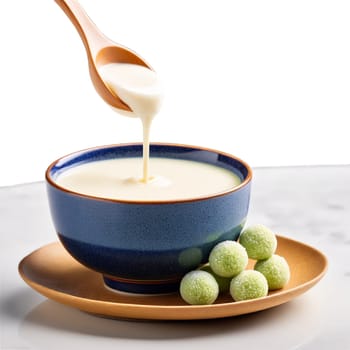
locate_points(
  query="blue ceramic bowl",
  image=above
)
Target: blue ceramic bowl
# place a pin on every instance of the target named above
(146, 247)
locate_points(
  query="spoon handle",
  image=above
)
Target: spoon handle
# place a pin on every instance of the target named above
(94, 40)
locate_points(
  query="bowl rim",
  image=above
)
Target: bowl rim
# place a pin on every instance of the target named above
(244, 183)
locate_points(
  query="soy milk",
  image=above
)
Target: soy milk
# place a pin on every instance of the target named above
(173, 179)
(160, 178)
(140, 89)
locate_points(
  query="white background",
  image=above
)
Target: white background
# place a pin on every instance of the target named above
(268, 81)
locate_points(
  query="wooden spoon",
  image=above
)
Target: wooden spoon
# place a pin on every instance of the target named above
(100, 50)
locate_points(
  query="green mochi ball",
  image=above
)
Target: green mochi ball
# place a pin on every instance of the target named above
(228, 259)
(249, 284)
(259, 241)
(223, 282)
(276, 271)
(199, 288)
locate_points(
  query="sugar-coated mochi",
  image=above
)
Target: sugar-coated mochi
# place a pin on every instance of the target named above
(276, 271)
(228, 259)
(259, 241)
(199, 288)
(223, 282)
(249, 284)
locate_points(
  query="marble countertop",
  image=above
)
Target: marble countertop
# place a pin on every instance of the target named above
(310, 204)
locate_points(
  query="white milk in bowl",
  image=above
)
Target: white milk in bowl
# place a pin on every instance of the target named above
(172, 179)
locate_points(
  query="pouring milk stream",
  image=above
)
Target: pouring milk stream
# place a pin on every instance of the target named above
(140, 89)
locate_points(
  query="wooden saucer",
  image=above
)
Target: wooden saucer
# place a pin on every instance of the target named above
(52, 272)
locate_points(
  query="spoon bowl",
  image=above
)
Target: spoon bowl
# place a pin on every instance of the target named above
(100, 51)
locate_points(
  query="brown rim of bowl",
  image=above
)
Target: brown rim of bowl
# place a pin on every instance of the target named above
(172, 201)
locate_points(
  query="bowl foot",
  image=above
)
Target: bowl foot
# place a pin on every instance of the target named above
(140, 286)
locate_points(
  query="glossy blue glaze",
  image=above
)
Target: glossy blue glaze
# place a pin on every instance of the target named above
(146, 247)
